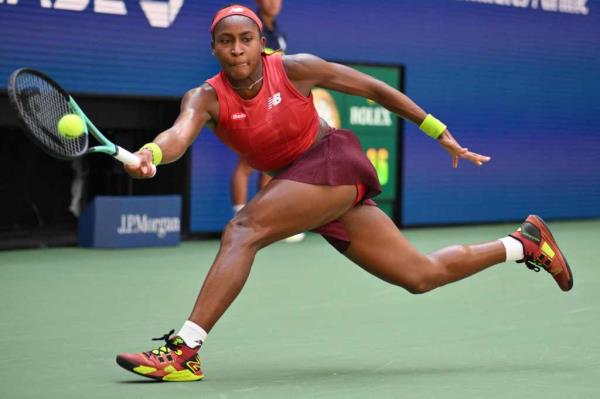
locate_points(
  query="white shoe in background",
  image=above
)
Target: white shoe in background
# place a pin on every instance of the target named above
(295, 238)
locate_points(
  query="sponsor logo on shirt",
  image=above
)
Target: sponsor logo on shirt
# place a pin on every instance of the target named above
(274, 100)
(238, 116)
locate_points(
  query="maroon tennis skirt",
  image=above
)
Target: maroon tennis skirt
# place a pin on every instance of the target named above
(335, 160)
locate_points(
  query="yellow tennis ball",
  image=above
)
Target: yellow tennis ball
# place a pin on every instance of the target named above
(71, 126)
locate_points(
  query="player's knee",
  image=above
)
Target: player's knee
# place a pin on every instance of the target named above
(419, 286)
(424, 281)
(422, 288)
(242, 232)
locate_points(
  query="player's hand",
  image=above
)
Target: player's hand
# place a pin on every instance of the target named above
(145, 170)
(457, 152)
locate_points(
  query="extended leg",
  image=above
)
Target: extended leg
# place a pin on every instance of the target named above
(381, 249)
(281, 209)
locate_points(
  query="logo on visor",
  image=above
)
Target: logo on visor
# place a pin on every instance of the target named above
(236, 9)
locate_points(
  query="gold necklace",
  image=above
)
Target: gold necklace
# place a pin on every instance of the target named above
(257, 81)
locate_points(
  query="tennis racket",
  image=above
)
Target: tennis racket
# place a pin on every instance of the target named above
(40, 103)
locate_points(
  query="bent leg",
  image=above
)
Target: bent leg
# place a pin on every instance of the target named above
(281, 209)
(381, 249)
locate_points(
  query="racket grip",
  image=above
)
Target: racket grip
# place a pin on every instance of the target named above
(130, 159)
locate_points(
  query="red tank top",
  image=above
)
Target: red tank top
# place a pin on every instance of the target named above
(272, 129)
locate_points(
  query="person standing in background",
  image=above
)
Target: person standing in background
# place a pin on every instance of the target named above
(267, 11)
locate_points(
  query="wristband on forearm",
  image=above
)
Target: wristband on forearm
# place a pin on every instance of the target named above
(156, 152)
(432, 127)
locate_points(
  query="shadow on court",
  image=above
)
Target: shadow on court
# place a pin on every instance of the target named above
(315, 373)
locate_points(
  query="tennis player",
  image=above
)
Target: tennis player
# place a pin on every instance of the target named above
(261, 107)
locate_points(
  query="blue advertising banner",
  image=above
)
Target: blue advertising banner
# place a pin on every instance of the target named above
(144, 47)
(125, 222)
(517, 80)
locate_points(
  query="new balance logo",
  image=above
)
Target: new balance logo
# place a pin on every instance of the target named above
(274, 100)
(194, 364)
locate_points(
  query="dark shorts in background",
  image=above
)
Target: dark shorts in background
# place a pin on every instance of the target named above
(336, 160)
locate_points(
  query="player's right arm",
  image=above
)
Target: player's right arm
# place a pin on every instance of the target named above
(198, 107)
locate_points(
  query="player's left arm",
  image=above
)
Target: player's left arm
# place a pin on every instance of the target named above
(310, 70)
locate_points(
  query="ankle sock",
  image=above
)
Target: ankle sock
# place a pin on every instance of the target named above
(192, 334)
(514, 249)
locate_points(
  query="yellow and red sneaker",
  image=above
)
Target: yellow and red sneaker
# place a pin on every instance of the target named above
(175, 361)
(541, 251)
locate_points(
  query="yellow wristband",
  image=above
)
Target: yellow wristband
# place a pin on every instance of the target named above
(156, 152)
(432, 127)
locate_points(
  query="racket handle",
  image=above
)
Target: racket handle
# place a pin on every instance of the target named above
(130, 159)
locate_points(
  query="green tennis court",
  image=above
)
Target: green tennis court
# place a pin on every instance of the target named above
(308, 324)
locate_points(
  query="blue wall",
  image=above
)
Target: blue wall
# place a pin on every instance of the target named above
(522, 85)
(92, 52)
(519, 84)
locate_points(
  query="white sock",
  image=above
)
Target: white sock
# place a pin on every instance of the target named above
(237, 208)
(192, 334)
(514, 249)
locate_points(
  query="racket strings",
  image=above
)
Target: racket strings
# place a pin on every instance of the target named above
(42, 106)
